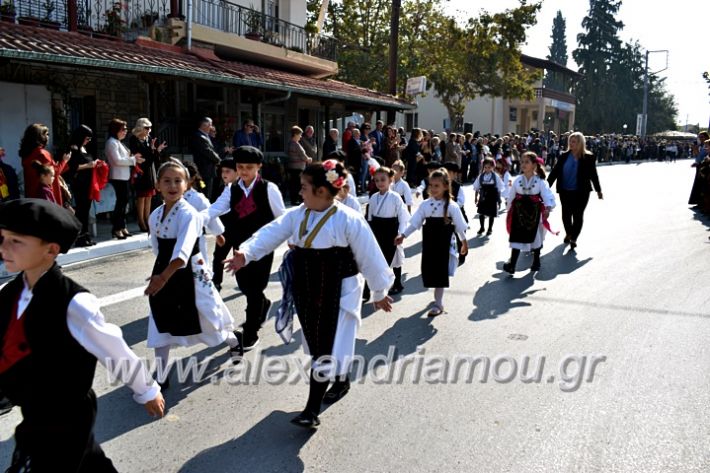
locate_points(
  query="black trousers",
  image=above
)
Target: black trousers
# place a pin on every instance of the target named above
(573, 205)
(83, 207)
(207, 171)
(118, 216)
(220, 254)
(252, 280)
(294, 186)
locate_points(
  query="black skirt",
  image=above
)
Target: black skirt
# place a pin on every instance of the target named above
(173, 307)
(386, 230)
(436, 242)
(488, 200)
(317, 286)
(525, 219)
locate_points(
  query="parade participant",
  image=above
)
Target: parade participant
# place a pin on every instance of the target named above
(529, 204)
(575, 173)
(504, 175)
(333, 244)
(347, 199)
(423, 187)
(489, 188)
(439, 218)
(228, 173)
(340, 156)
(45, 317)
(185, 308)
(198, 200)
(400, 186)
(388, 217)
(458, 196)
(254, 203)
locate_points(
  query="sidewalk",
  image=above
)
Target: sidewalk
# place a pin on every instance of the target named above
(108, 246)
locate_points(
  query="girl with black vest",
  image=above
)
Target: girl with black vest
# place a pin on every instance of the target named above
(45, 317)
(253, 202)
(185, 307)
(332, 245)
(388, 217)
(439, 217)
(489, 189)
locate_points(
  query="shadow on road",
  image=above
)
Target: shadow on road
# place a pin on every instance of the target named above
(273, 444)
(557, 263)
(497, 297)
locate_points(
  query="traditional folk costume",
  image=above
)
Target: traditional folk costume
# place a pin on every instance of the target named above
(222, 252)
(57, 320)
(490, 188)
(252, 208)
(352, 202)
(388, 217)
(526, 223)
(439, 250)
(332, 248)
(200, 203)
(188, 309)
(402, 188)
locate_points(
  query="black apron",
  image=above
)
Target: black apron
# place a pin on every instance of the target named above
(173, 307)
(525, 219)
(436, 241)
(317, 286)
(488, 199)
(385, 231)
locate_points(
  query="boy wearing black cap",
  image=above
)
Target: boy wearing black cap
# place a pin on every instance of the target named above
(46, 317)
(254, 202)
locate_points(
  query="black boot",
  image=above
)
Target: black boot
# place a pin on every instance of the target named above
(536, 260)
(397, 286)
(510, 265)
(340, 388)
(366, 294)
(309, 417)
(482, 218)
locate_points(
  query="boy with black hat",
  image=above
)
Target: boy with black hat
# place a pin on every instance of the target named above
(254, 202)
(46, 317)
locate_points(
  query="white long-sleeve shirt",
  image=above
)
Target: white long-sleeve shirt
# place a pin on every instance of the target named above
(402, 188)
(222, 205)
(435, 208)
(119, 160)
(105, 341)
(388, 205)
(487, 178)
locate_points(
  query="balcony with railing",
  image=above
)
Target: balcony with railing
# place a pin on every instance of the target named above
(232, 29)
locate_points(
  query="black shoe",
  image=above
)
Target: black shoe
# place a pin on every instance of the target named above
(572, 244)
(507, 267)
(237, 353)
(217, 286)
(566, 240)
(119, 235)
(336, 392)
(395, 290)
(306, 420)
(250, 340)
(489, 232)
(535, 267)
(480, 232)
(127, 233)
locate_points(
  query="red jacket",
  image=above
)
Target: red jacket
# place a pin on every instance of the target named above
(32, 184)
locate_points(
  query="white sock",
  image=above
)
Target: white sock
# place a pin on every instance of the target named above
(439, 297)
(162, 357)
(232, 340)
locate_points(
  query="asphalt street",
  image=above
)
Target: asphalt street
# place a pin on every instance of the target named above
(627, 315)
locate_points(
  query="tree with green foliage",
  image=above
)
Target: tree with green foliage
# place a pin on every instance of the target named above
(558, 52)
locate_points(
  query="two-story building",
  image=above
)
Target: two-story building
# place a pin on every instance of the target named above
(71, 62)
(553, 108)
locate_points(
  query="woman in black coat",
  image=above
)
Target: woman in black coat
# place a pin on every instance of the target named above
(142, 143)
(576, 174)
(81, 170)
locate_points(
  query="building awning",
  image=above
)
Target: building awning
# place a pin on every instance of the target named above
(44, 45)
(549, 65)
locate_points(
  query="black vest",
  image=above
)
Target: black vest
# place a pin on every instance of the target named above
(59, 372)
(243, 228)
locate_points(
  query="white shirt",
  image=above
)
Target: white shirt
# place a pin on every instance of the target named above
(353, 187)
(345, 228)
(388, 205)
(200, 203)
(105, 341)
(352, 202)
(435, 208)
(487, 178)
(119, 160)
(532, 186)
(183, 223)
(222, 205)
(403, 189)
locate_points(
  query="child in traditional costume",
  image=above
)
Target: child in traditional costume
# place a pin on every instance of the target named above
(347, 199)
(332, 245)
(228, 172)
(198, 200)
(253, 202)
(489, 189)
(439, 217)
(185, 307)
(388, 217)
(400, 186)
(423, 188)
(529, 204)
(52, 332)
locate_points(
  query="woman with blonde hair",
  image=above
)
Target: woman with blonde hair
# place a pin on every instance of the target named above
(576, 174)
(144, 181)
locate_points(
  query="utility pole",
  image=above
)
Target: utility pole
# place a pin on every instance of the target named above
(394, 43)
(644, 112)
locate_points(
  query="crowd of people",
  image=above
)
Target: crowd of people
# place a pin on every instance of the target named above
(338, 259)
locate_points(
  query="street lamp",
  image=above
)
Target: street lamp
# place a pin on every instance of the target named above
(645, 89)
(625, 126)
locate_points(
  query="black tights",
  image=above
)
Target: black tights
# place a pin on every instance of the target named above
(482, 218)
(514, 254)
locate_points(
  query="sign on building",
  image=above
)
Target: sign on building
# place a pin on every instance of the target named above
(416, 85)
